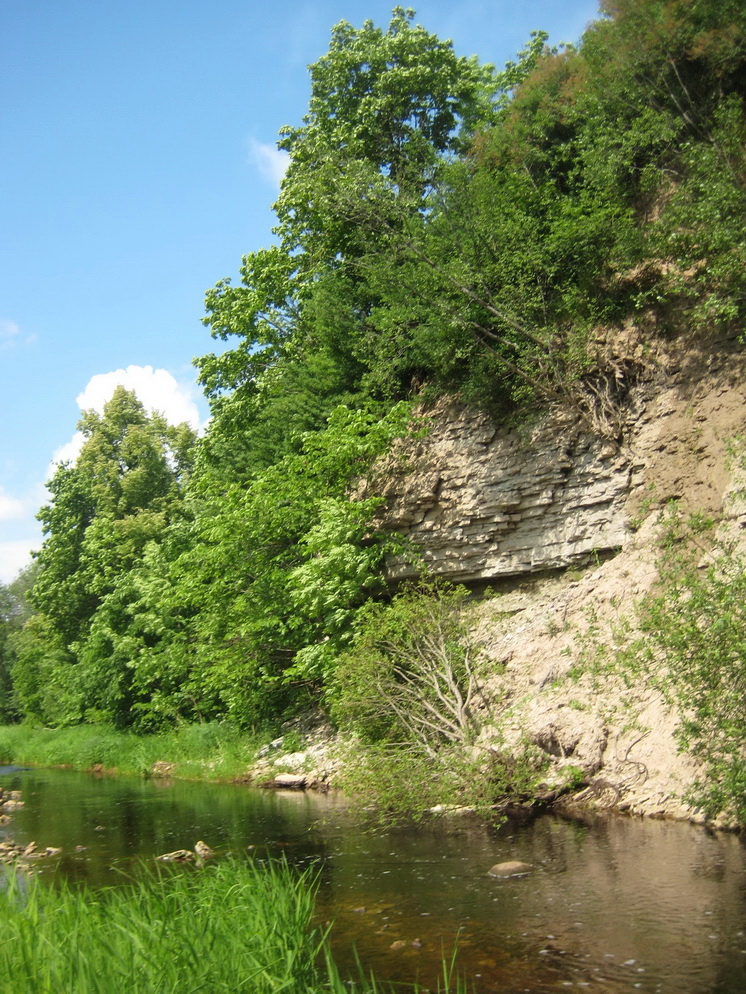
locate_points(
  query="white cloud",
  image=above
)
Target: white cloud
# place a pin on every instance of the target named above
(156, 389)
(68, 452)
(11, 335)
(14, 556)
(19, 530)
(11, 508)
(9, 332)
(270, 160)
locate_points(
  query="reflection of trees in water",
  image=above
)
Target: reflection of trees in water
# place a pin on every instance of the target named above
(121, 820)
(607, 891)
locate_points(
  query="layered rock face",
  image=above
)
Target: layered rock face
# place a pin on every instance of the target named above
(483, 503)
(514, 506)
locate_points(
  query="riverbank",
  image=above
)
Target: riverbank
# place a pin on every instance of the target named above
(195, 752)
(310, 756)
(597, 665)
(608, 890)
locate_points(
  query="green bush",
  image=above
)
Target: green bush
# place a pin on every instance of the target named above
(398, 784)
(697, 623)
(410, 690)
(410, 676)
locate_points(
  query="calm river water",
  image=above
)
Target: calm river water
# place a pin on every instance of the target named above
(613, 906)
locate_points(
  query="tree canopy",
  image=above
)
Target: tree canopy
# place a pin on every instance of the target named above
(443, 227)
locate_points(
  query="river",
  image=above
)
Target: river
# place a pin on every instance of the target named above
(613, 905)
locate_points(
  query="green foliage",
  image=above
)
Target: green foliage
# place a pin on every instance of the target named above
(206, 751)
(241, 614)
(388, 110)
(693, 650)
(6, 687)
(14, 611)
(442, 227)
(41, 673)
(668, 77)
(243, 928)
(123, 490)
(409, 691)
(231, 927)
(398, 785)
(120, 497)
(434, 231)
(403, 783)
(410, 675)
(697, 625)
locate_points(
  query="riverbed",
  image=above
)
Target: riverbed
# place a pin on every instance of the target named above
(612, 905)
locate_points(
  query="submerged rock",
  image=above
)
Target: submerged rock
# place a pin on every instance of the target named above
(512, 868)
(10, 800)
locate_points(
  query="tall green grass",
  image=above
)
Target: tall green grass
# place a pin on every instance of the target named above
(211, 751)
(233, 927)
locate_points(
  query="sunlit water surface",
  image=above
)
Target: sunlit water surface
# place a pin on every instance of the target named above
(612, 906)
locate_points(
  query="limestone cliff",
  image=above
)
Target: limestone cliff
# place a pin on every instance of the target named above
(563, 524)
(483, 503)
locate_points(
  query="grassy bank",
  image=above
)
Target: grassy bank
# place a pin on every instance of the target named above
(232, 927)
(210, 751)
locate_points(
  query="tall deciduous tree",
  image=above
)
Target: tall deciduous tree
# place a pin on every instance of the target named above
(387, 107)
(120, 495)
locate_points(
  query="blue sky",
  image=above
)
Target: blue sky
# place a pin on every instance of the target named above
(137, 166)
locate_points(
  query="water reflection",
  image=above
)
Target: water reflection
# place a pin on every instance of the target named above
(614, 905)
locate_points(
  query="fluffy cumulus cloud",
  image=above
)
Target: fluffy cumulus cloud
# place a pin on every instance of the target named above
(156, 389)
(68, 452)
(271, 161)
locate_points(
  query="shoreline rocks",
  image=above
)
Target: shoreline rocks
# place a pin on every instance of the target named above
(10, 852)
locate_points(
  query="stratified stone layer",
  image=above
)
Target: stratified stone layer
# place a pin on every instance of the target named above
(483, 503)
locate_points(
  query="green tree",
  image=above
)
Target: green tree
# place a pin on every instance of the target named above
(6, 613)
(610, 187)
(663, 94)
(386, 109)
(121, 495)
(14, 611)
(244, 616)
